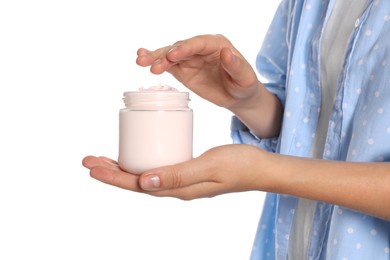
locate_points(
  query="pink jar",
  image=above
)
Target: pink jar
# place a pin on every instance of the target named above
(155, 129)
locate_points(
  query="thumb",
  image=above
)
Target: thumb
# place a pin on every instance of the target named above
(237, 67)
(173, 177)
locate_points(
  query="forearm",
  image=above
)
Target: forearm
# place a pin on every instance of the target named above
(262, 113)
(364, 187)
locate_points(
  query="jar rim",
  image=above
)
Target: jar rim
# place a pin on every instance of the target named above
(156, 98)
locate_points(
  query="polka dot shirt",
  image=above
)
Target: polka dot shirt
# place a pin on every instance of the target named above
(358, 129)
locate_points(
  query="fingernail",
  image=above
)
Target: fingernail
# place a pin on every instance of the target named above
(172, 49)
(89, 162)
(150, 182)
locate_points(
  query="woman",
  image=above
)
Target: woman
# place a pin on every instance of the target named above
(316, 135)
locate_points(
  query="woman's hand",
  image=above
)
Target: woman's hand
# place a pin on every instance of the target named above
(224, 169)
(211, 67)
(236, 168)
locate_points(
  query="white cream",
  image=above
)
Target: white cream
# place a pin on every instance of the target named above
(158, 88)
(155, 129)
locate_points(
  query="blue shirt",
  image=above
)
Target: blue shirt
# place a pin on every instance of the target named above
(359, 125)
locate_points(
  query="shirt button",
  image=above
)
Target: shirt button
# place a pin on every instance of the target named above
(357, 22)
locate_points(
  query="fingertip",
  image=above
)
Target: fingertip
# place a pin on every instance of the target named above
(150, 182)
(159, 66)
(88, 161)
(143, 60)
(142, 51)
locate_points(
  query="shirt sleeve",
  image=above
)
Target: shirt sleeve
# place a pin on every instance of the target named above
(271, 64)
(274, 55)
(241, 134)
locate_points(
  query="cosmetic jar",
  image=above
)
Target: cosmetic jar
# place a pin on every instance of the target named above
(155, 129)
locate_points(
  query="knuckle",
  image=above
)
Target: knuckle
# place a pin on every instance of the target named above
(178, 43)
(174, 177)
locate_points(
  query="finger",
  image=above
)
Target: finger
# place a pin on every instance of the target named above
(239, 70)
(199, 45)
(177, 176)
(146, 58)
(156, 60)
(90, 161)
(109, 161)
(116, 177)
(93, 161)
(142, 51)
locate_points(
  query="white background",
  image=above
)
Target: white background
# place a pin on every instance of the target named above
(63, 68)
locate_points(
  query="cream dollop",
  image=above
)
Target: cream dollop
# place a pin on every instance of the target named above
(159, 87)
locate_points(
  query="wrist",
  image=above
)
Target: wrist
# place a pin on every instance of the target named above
(249, 101)
(261, 112)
